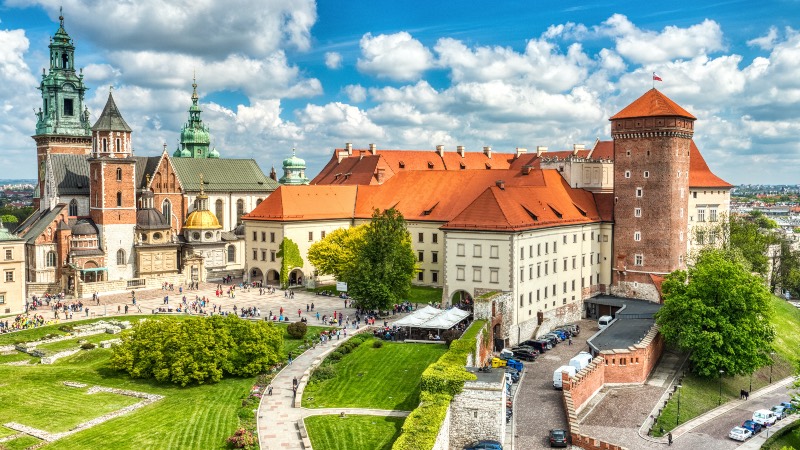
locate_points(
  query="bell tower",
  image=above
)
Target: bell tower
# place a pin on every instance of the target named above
(112, 192)
(652, 141)
(62, 122)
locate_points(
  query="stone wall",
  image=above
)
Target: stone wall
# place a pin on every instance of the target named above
(443, 438)
(478, 412)
(634, 364)
(84, 290)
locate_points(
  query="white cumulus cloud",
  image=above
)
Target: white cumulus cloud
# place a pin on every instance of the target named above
(394, 56)
(333, 60)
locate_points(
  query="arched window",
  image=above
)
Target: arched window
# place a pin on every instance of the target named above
(105, 145)
(120, 257)
(219, 212)
(119, 174)
(64, 61)
(258, 202)
(119, 198)
(239, 210)
(51, 259)
(231, 254)
(166, 209)
(73, 207)
(118, 146)
(172, 182)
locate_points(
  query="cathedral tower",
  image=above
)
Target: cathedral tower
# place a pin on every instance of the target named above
(195, 137)
(62, 124)
(652, 141)
(112, 193)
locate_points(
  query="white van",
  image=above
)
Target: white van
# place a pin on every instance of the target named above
(604, 321)
(580, 361)
(557, 375)
(765, 417)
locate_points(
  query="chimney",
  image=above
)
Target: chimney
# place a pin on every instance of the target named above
(341, 154)
(501, 184)
(349, 147)
(540, 149)
(373, 149)
(460, 150)
(487, 151)
(440, 150)
(380, 175)
(521, 151)
(576, 148)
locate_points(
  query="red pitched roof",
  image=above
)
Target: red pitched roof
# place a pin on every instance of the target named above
(603, 150)
(653, 103)
(296, 203)
(699, 173)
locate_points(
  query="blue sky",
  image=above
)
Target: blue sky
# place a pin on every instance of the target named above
(412, 75)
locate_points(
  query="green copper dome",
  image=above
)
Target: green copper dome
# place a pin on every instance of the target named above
(294, 162)
(213, 153)
(195, 136)
(294, 171)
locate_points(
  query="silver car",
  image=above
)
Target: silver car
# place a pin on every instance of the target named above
(740, 434)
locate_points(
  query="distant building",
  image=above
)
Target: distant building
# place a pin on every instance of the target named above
(12, 271)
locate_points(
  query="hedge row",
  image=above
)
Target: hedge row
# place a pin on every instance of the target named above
(440, 382)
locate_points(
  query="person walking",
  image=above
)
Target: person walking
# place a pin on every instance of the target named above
(669, 438)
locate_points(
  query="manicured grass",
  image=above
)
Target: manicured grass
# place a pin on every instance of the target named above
(296, 345)
(425, 295)
(699, 395)
(191, 417)
(6, 431)
(17, 356)
(353, 432)
(35, 334)
(56, 347)
(382, 378)
(790, 438)
(21, 443)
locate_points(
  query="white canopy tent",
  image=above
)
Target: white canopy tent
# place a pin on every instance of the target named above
(433, 319)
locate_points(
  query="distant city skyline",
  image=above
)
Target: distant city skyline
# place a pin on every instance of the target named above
(412, 75)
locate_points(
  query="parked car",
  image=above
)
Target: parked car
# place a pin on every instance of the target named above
(754, 427)
(563, 335)
(557, 381)
(573, 328)
(779, 411)
(765, 417)
(541, 345)
(552, 337)
(581, 360)
(740, 434)
(603, 321)
(526, 354)
(506, 354)
(484, 445)
(790, 407)
(514, 374)
(558, 438)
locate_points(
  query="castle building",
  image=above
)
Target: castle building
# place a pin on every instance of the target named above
(108, 219)
(552, 228)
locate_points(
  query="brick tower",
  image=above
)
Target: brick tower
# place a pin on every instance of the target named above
(112, 193)
(62, 124)
(652, 138)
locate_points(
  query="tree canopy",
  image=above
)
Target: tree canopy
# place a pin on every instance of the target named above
(750, 235)
(720, 312)
(198, 350)
(336, 253)
(384, 262)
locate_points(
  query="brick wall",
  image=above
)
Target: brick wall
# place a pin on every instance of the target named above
(586, 383)
(634, 364)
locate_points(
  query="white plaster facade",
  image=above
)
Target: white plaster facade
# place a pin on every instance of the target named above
(708, 209)
(115, 238)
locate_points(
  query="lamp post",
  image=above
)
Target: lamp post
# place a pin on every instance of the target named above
(771, 363)
(751, 383)
(678, 419)
(720, 386)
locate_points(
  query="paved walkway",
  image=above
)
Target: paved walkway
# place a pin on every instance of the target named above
(279, 415)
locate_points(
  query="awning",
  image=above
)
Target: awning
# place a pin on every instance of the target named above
(95, 269)
(417, 317)
(432, 318)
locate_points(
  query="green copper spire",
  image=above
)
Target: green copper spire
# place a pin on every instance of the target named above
(294, 171)
(195, 137)
(63, 111)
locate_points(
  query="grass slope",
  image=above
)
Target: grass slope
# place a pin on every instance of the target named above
(382, 378)
(789, 439)
(353, 432)
(699, 395)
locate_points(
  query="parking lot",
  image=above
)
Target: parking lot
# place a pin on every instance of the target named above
(538, 406)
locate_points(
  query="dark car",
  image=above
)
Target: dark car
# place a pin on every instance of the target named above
(563, 334)
(525, 354)
(753, 426)
(540, 345)
(558, 438)
(551, 338)
(484, 445)
(790, 408)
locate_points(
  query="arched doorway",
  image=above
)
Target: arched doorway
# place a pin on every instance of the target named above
(273, 277)
(256, 274)
(296, 278)
(90, 276)
(462, 299)
(499, 341)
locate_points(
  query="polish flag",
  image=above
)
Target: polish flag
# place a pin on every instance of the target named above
(656, 77)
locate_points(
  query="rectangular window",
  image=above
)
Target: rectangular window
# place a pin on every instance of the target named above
(494, 275)
(530, 272)
(494, 251)
(545, 269)
(701, 237)
(435, 238)
(521, 299)
(573, 285)
(460, 250)
(637, 236)
(476, 274)
(310, 236)
(574, 238)
(712, 214)
(538, 270)
(263, 255)
(272, 237)
(69, 110)
(546, 248)
(638, 260)
(565, 264)
(538, 249)
(637, 212)
(555, 266)
(2, 299)
(434, 276)
(322, 234)
(554, 290)
(421, 275)
(646, 174)
(574, 262)
(530, 251)
(421, 237)
(701, 214)
(434, 257)
(694, 194)
(460, 273)
(521, 274)
(255, 255)
(522, 256)
(583, 260)
(420, 256)
(255, 236)
(530, 298)
(263, 236)
(564, 238)
(9, 255)
(476, 250)
(565, 287)
(639, 192)
(555, 247)
(272, 255)
(627, 174)
(538, 297)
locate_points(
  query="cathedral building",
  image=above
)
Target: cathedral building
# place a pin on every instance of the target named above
(108, 219)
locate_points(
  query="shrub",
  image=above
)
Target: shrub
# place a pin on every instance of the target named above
(242, 438)
(324, 372)
(377, 343)
(449, 336)
(87, 346)
(422, 425)
(66, 328)
(297, 330)
(336, 356)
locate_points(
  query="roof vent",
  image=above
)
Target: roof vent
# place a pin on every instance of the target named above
(487, 151)
(521, 151)
(402, 165)
(440, 150)
(349, 147)
(540, 149)
(526, 169)
(430, 165)
(460, 150)
(373, 149)
(501, 184)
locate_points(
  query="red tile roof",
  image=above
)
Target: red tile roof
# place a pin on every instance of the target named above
(297, 203)
(699, 173)
(653, 103)
(605, 205)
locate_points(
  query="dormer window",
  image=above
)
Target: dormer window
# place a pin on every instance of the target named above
(402, 165)
(430, 165)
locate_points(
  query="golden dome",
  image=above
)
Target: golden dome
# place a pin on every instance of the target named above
(201, 220)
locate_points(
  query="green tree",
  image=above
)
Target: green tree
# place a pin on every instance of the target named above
(720, 312)
(749, 235)
(336, 253)
(384, 264)
(9, 218)
(289, 253)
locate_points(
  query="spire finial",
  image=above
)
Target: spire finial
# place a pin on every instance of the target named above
(201, 184)
(61, 15)
(292, 151)
(110, 89)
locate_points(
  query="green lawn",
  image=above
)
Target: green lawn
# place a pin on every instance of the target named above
(35, 334)
(353, 432)
(55, 347)
(789, 439)
(21, 443)
(699, 395)
(6, 431)
(382, 378)
(425, 295)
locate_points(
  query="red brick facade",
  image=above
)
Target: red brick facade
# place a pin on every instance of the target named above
(112, 198)
(166, 186)
(71, 145)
